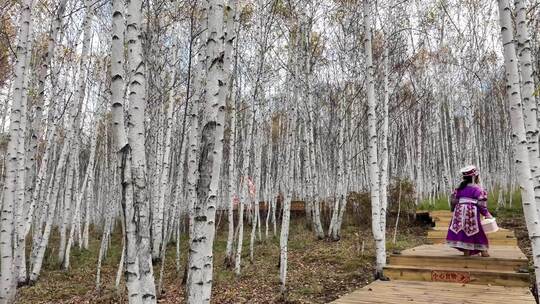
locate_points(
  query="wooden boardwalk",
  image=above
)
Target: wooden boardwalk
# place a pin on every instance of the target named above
(400, 292)
(435, 273)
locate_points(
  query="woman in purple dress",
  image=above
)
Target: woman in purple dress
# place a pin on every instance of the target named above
(468, 202)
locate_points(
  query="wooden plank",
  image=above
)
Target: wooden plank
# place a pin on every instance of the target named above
(476, 276)
(492, 242)
(395, 292)
(419, 271)
(501, 234)
(458, 262)
(496, 252)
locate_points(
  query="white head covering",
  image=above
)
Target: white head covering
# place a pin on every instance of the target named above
(469, 171)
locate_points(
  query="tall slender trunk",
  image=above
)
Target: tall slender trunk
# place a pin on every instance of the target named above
(530, 108)
(76, 212)
(257, 149)
(518, 134)
(384, 145)
(164, 180)
(136, 140)
(16, 132)
(230, 37)
(194, 132)
(285, 220)
(53, 201)
(25, 163)
(313, 177)
(231, 191)
(378, 231)
(289, 159)
(199, 282)
(244, 191)
(340, 188)
(79, 95)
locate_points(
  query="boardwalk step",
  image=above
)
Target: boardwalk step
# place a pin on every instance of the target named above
(399, 292)
(507, 258)
(440, 212)
(438, 274)
(492, 242)
(464, 276)
(501, 234)
(441, 217)
(459, 262)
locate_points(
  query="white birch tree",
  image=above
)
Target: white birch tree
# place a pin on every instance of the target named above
(518, 133)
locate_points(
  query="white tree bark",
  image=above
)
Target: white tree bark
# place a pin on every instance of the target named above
(313, 177)
(523, 169)
(53, 201)
(164, 181)
(384, 145)
(288, 192)
(378, 232)
(200, 263)
(16, 133)
(194, 134)
(257, 149)
(79, 95)
(231, 189)
(136, 140)
(25, 163)
(244, 192)
(530, 108)
(65, 210)
(287, 182)
(89, 172)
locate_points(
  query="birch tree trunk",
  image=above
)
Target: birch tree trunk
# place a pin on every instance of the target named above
(378, 232)
(341, 195)
(52, 202)
(384, 153)
(313, 175)
(289, 160)
(285, 220)
(518, 133)
(65, 210)
(231, 193)
(200, 264)
(158, 217)
(89, 171)
(131, 151)
(16, 133)
(80, 94)
(244, 192)
(257, 149)
(194, 134)
(23, 174)
(136, 140)
(230, 37)
(530, 108)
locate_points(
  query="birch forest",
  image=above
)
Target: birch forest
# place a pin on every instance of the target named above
(251, 151)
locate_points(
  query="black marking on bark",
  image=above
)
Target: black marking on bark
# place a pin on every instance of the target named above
(201, 218)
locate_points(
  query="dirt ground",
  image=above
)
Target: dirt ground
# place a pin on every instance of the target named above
(318, 271)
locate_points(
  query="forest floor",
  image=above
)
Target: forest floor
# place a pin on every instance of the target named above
(513, 219)
(319, 271)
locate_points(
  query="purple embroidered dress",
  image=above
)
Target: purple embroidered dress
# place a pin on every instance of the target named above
(465, 231)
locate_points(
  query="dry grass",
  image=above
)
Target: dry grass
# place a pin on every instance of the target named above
(319, 271)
